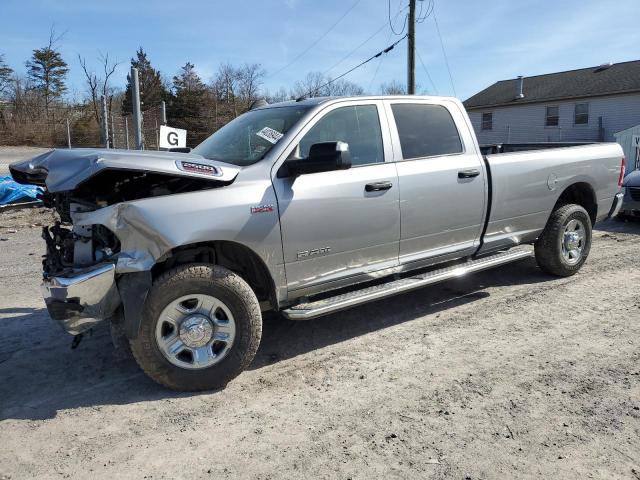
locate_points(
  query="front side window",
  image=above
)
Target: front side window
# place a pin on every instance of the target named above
(581, 116)
(249, 137)
(425, 130)
(552, 117)
(359, 126)
(487, 121)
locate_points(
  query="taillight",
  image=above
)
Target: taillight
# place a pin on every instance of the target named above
(622, 170)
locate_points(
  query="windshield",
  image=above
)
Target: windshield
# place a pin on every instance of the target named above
(248, 138)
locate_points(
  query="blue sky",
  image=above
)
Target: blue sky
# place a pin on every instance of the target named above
(485, 41)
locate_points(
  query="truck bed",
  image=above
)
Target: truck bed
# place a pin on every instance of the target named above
(525, 185)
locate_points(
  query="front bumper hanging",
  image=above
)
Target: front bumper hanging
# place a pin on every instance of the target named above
(82, 299)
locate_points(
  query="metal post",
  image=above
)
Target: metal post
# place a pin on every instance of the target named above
(68, 133)
(163, 111)
(157, 135)
(411, 49)
(126, 131)
(105, 123)
(137, 113)
(113, 133)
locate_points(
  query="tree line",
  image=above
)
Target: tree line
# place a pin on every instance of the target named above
(34, 104)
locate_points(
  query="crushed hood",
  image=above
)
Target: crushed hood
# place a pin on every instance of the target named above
(64, 169)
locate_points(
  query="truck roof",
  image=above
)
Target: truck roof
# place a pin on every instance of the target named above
(320, 100)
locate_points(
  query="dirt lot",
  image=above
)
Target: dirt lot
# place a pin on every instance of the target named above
(12, 154)
(505, 374)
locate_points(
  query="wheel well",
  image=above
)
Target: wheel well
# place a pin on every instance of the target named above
(581, 194)
(234, 256)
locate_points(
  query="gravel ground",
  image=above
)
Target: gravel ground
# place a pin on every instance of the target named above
(504, 374)
(12, 154)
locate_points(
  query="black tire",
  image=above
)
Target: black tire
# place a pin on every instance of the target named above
(199, 279)
(548, 247)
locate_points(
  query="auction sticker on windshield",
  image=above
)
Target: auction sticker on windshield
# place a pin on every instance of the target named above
(270, 135)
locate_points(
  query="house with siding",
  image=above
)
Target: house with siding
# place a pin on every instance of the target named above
(589, 104)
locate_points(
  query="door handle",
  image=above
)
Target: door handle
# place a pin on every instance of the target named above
(378, 186)
(470, 173)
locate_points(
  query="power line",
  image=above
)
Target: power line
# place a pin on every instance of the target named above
(381, 52)
(444, 53)
(404, 23)
(355, 49)
(375, 74)
(316, 42)
(427, 72)
(421, 18)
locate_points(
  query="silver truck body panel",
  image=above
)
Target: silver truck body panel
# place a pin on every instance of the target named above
(526, 186)
(442, 215)
(93, 292)
(323, 231)
(148, 229)
(65, 169)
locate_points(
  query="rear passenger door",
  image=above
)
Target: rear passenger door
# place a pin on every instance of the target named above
(442, 181)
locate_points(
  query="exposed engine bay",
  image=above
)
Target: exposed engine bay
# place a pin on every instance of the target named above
(72, 246)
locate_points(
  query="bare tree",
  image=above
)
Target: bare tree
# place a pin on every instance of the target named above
(393, 88)
(315, 84)
(310, 86)
(343, 87)
(99, 86)
(249, 81)
(226, 83)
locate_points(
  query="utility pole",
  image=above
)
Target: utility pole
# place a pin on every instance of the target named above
(105, 123)
(411, 49)
(137, 113)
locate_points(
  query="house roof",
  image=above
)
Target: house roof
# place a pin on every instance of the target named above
(583, 83)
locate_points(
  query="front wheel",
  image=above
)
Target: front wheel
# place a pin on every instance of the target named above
(564, 244)
(201, 328)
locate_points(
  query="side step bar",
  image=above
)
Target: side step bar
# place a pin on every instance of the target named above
(306, 311)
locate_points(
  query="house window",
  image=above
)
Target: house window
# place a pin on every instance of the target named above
(581, 116)
(487, 121)
(552, 117)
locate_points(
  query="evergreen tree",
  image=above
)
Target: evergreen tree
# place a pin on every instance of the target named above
(152, 90)
(5, 75)
(48, 71)
(187, 103)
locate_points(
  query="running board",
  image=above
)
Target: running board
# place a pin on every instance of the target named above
(306, 311)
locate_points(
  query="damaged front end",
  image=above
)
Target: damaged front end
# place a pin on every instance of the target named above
(80, 277)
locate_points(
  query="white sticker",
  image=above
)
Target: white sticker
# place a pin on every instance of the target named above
(270, 135)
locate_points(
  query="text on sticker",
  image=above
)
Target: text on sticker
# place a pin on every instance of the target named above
(270, 135)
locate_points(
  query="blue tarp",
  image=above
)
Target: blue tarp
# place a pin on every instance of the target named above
(13, 192)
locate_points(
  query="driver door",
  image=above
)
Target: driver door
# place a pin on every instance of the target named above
(339, 227)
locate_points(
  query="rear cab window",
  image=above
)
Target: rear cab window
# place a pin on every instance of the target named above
(426, 130)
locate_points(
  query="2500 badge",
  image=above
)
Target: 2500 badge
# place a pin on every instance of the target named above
(313, 252)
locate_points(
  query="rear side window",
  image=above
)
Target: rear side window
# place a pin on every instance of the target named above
(425, 130)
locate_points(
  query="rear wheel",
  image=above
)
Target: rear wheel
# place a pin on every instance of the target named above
(200, 329)
(564, 245)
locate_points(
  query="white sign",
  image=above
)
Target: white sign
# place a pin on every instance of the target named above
(172, 137)
(270, 135)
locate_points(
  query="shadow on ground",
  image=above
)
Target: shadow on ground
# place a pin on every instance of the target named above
(620, 225)
(43, 375)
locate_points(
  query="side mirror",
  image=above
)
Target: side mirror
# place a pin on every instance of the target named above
(323, 157)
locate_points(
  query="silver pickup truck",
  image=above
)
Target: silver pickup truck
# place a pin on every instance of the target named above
(306, 208)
